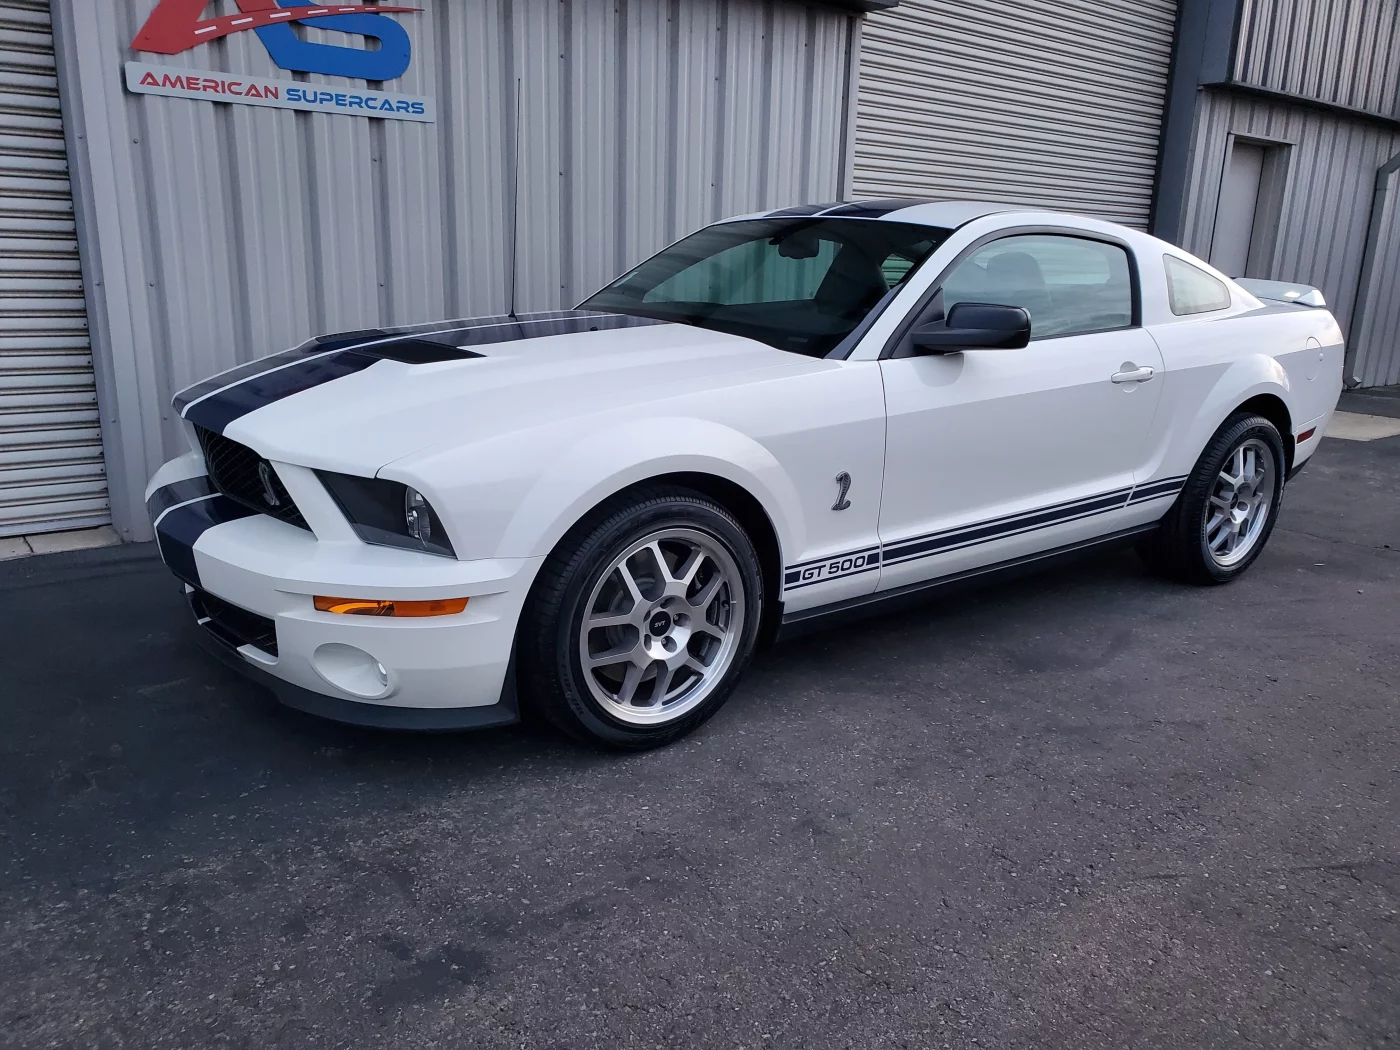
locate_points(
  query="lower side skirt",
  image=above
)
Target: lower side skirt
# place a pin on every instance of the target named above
(880, 602)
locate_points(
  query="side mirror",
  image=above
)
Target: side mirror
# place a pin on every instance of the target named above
(974, 326)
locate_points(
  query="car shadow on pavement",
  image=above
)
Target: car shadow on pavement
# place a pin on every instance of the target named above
(115, 713)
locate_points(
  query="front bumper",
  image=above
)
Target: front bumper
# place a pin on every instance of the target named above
(440, 672)
(376, 716)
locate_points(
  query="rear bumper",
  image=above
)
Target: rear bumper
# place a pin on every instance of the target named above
(1315, 429)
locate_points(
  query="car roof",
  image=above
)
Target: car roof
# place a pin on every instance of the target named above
(948, 214)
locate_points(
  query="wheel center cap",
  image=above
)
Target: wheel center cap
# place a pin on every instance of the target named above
(660, 623)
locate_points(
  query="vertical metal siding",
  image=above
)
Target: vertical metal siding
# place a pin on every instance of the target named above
(216, 233)
(1015, 100)
(1378, 338)
(51, 472)
(1345, 52)
(1327, 196)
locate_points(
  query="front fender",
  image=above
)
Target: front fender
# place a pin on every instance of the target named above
(608, 461)
(521, 492)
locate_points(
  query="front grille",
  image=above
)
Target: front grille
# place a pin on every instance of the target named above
(240, 473)
(231, 625)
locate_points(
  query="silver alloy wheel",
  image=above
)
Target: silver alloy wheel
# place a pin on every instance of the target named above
(662, 626)
(1240, 503)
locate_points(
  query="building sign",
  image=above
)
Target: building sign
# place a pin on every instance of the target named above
(284, 94)
(176, 26)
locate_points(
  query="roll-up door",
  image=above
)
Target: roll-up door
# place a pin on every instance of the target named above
(51, 472)
(1015, 100)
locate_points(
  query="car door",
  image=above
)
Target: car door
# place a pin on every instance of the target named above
(993, 455)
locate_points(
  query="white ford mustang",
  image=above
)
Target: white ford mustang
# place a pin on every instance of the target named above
(601, 512)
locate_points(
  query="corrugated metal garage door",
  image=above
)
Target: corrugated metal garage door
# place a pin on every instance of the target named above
(51, 473)
(1015, 100)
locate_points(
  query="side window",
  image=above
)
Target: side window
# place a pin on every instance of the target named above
(1068, 285)
(752, 272)
(1191, 290)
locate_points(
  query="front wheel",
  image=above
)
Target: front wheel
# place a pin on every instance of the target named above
(1226, 512)
(642, 620)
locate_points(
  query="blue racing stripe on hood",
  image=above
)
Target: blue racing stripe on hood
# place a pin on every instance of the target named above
(217, 402)
(218, 410)
(310, 348)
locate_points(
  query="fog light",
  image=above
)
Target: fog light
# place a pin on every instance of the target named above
(351, 669)
(389, 606)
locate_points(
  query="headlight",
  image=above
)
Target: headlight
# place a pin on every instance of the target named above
(388, 513)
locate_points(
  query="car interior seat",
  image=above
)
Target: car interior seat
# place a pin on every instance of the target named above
(1015, 279)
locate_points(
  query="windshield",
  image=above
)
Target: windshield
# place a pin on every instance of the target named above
(799, 284)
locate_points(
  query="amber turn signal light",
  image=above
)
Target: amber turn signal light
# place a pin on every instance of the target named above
(389, 607)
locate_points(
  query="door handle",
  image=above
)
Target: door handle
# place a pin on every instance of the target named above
(1134, 375)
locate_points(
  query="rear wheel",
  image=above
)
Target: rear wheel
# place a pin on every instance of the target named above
(1226, 511)
(642, 620)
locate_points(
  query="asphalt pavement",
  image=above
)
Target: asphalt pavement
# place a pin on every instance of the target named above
(1083, 809)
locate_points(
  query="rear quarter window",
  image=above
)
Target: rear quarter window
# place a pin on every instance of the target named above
(1190, 290)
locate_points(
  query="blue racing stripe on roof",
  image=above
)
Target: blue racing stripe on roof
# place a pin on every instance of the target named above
(875, 209)
(800, 210)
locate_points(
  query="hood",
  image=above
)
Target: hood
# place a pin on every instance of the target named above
(358, 401)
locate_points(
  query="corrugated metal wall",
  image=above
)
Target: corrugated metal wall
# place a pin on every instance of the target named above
(215, 233)
(1327, 197)
(1015, 100)
(1346, 53)
(1378, 337)
(1341, 51)
(51, 473)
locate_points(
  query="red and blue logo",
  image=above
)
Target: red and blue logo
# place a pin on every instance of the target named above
(178, 25)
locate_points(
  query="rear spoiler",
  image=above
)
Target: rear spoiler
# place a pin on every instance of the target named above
(1282, 292)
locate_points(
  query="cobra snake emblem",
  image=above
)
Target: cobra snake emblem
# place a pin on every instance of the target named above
(843, 480)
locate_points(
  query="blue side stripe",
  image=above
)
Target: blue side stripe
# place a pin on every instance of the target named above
(1158, 489)
(996, 528)
(837, 567)
(807, 573)
(833, 557)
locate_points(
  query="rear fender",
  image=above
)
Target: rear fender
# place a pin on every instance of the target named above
(1244, 378)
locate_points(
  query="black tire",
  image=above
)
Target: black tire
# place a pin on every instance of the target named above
(1179, 548)
(552, 678)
